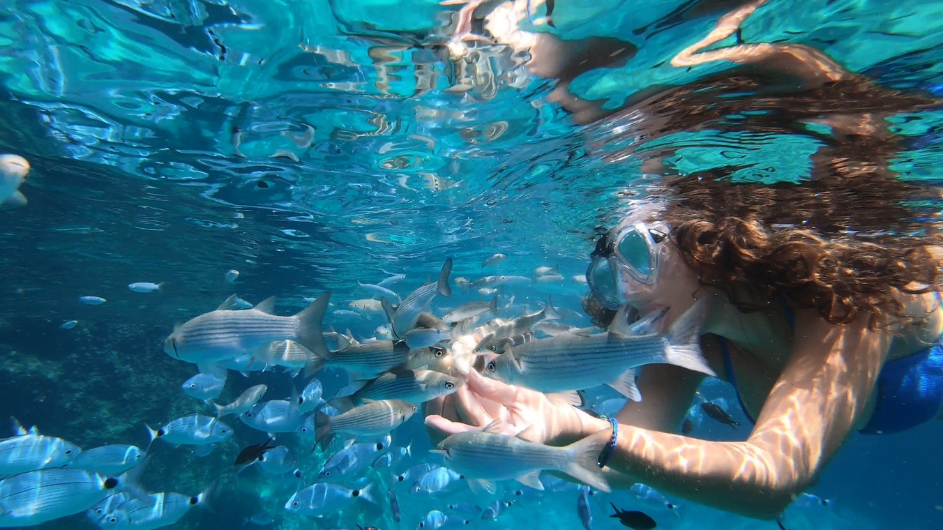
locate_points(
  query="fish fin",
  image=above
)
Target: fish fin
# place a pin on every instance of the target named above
(203, 499)
(779, 522)
(18, 429)
(228, 304)
(493, 306)
(219, 410)
(625, 385)
(650, 323)
(550, 312)
(514, 358)
(369, 493)
(266, 306)
(586, 332)
(442, 286)
(14, 200)
(531, 479)
(409, 449)
(212, 369)
(153, 435)
(309, 329)
(684, 340)
(494, 427)
(581, 462)
(387, 310)
(477, 485)
(130, 480)
(571, 397)
(322, 430)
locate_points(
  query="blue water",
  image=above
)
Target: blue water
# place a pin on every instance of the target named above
(314, 144)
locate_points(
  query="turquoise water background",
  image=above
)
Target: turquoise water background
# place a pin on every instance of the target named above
(314, 144)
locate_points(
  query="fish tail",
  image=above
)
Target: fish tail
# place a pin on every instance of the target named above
(683, 340)
(130, 480)
(220, 410)
(550, 313)
(442, 286)
(581, 462)
(203, 499)
(153, 434)
(309, 332)
(369, 493)
(322, 430)
(493, 306)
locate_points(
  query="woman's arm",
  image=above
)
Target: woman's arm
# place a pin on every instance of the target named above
(810, 411)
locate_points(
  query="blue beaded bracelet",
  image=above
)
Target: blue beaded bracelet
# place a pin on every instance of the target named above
(611, 446)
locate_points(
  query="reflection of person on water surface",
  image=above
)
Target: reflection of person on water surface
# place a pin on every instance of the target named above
(824, 306)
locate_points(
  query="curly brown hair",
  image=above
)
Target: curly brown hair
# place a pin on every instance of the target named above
(757, 241)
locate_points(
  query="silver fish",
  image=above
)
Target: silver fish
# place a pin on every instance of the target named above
(38, 496)
(583, 508)
(496, 281)
(154, 510)
(225, 333)
(109, 460)
(494, 510)
(554, 329)
(393, 278)
(379, 290)
(285, 353)
(485, 456)
(92, 300)
(406, 315)
(465, 510)
(394, 504)
(30, 451)
(352, 460)
(494, 259)
(14, 170)
(324, 498)
(471, 310)
(436, 482)
(276, 415)
(494, 341)
(436, 520)
(415, 472)
(231, 275)
(336, 341)
(414, 386)
(573, 362)
(107, 505)
(310, 397)
(195, 429)
(547, 278)
(204, 386)
(426, 338)
(366, 360)
(244, 402)
(69, 324)
(365, 305)
(145, 287)
(342, 314)
(540, 271)
(378, 417)
(277, 461)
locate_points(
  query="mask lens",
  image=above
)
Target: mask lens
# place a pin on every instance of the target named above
(634, 250)
(603, 283)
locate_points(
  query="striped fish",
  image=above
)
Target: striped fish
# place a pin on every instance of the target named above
(109, 460)
(405, 316)
(576, 362)
(154, 510)
(366, 360)
(29, 451)
(225, 333)
(373, 419)
(39, 496)
(486, 456)
(195, 429)
(496, 340)
(470, 310)
(414, 386)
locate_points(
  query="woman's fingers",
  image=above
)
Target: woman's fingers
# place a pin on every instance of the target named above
(491, 388)
(469, 408)
(447, 427)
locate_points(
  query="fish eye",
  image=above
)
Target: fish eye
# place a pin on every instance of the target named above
(68, 452)
(192, 385)
(355, 493)
(400, 478)
(297, 473)
(439, 353)
(449, 385)
(223, 431)
(670, 506)
(379, 447)
(504, 277)
(492, 366)
(327, 473)
(493, 348)
(248, 414)
(421, 524)
(304, 429)
(295, 504)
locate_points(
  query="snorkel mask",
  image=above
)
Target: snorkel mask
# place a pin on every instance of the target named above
(627, 253)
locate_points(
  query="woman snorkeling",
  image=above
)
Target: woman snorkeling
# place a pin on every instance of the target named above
(823, 304)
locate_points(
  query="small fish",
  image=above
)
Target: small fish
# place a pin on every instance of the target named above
(244, 402)
(108, 460)
(496, 281)
(367, 360)
(35, 497)
(583, 508)
(494, 510)
(634, 519)
(437, 482)
(154, 510)
(547, 278)
(277, 415)
(365, 305)
(195, 429)
(414, 386)
(379, 290)
(200, 451)
(485, 456)
(418, 338)
(342, 314)
(107, 505)
(686, 426)
(487, 291)
(231, 275)
(277, 460)
(718, 414)
(285, 353)
(465, 510)
(310, 397)
(350, 461)
(580, 278)
(415, 472)
(553, 328)
(31, 451)
(253, 452)
(225, 333)
(541, 271)
(393, 278)
(471, 310)
(261, 519)
(204, 386)
(92, 300)
(14, 170)
(596, 358)
(69, 324)
(436, 520)
(324, 498)
(496, 258)
(394, 504)
(145, 287)
(407, 314)
(495, 340)
(462, 283)
(375, 418)
(654, 498)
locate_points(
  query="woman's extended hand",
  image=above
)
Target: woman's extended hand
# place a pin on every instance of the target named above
(481, 401)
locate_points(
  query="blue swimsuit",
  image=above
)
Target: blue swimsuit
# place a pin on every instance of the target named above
(909, 389)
